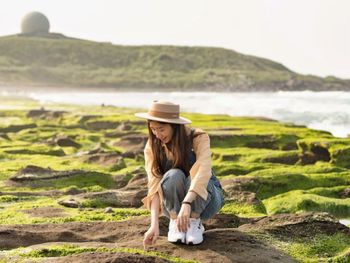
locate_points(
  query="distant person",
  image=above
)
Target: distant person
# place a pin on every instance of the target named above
(181, 182)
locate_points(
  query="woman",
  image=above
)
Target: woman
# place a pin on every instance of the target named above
(181, 183)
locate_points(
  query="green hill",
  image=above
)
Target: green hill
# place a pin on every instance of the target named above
(62, 61)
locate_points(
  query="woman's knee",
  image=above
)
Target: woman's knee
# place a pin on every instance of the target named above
(174, 177)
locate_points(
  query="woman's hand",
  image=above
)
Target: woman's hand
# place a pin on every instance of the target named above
(151, 236)
(183, 218)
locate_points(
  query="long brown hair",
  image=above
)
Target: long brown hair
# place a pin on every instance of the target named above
(179, 146)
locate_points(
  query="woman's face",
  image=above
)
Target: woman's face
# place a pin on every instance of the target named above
(163, 131)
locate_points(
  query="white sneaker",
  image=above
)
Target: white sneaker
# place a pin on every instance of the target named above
(174, 235)
(194, 234)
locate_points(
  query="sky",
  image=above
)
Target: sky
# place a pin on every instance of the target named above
(307, 36)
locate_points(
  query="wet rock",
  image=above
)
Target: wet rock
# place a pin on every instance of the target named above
(242, 197)
(118, 134)
(32, 173)
(298, 225)
(239, 184)
(85, 118)
(106, 159)
(124, 126)
(113, 198)
(50, 193)
(97, 149)
(120, 180)
(129, 154)
(133, 143)
(138, 176)
(109, 257)
(101, 125)
(45, 114)
(224, 221)
(4, 136)
(48, 212)
(139, 181)
(56, 152)
(314, 151)
(65, 141)
(129, 194)
(17, 128)
(74, 191)
(72, 203)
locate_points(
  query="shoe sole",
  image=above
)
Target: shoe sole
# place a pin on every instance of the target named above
(191, 243)
(179, 241)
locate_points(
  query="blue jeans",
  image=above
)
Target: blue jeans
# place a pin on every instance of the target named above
(175, 186)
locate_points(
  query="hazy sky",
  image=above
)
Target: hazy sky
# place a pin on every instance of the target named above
(307, 36)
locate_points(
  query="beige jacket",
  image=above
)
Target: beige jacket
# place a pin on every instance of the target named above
(200, 172)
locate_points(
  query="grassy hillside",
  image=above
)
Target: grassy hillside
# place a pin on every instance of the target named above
(73, 62)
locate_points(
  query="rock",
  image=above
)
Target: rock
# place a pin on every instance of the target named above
(120, 180)
(70, 203)
(124, 126)
(101, 125)
(32, 172)
(129, 154)
(139, 181)
(110, 257)
(239, 184)
(85, 118)
(113, 198)
(65, 141)
(17, 128)
(108, 210)
(118, 134)
(48, 212)
(26, 150)
(298, 225)
(4, 136)
(45, 114)
(133, 143)
(242, 197)
(224, 221)
(97, 149)
(313, 151)
(106, 159)
(345, 193)
(74, 191)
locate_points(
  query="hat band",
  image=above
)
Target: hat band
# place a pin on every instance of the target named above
(164, 115)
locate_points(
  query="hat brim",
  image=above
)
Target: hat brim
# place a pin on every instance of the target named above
(180, 120)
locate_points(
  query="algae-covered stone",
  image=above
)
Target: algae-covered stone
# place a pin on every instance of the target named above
(32, 173)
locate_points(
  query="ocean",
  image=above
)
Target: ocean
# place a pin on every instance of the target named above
(329, 111)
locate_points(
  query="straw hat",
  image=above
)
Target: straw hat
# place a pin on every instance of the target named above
(164, 111)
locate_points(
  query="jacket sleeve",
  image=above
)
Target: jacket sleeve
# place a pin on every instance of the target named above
(201, 170)
(153, 181)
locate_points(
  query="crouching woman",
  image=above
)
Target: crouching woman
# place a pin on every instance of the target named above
(181, 182)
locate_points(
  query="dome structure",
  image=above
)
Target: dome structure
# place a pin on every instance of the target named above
(35, 23)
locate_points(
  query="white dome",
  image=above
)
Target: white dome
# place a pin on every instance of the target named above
(34, 23)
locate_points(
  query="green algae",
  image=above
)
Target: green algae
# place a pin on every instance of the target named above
(243, 209)
(66, 250)
(319, 248)
(301, 201)
(14, 212)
